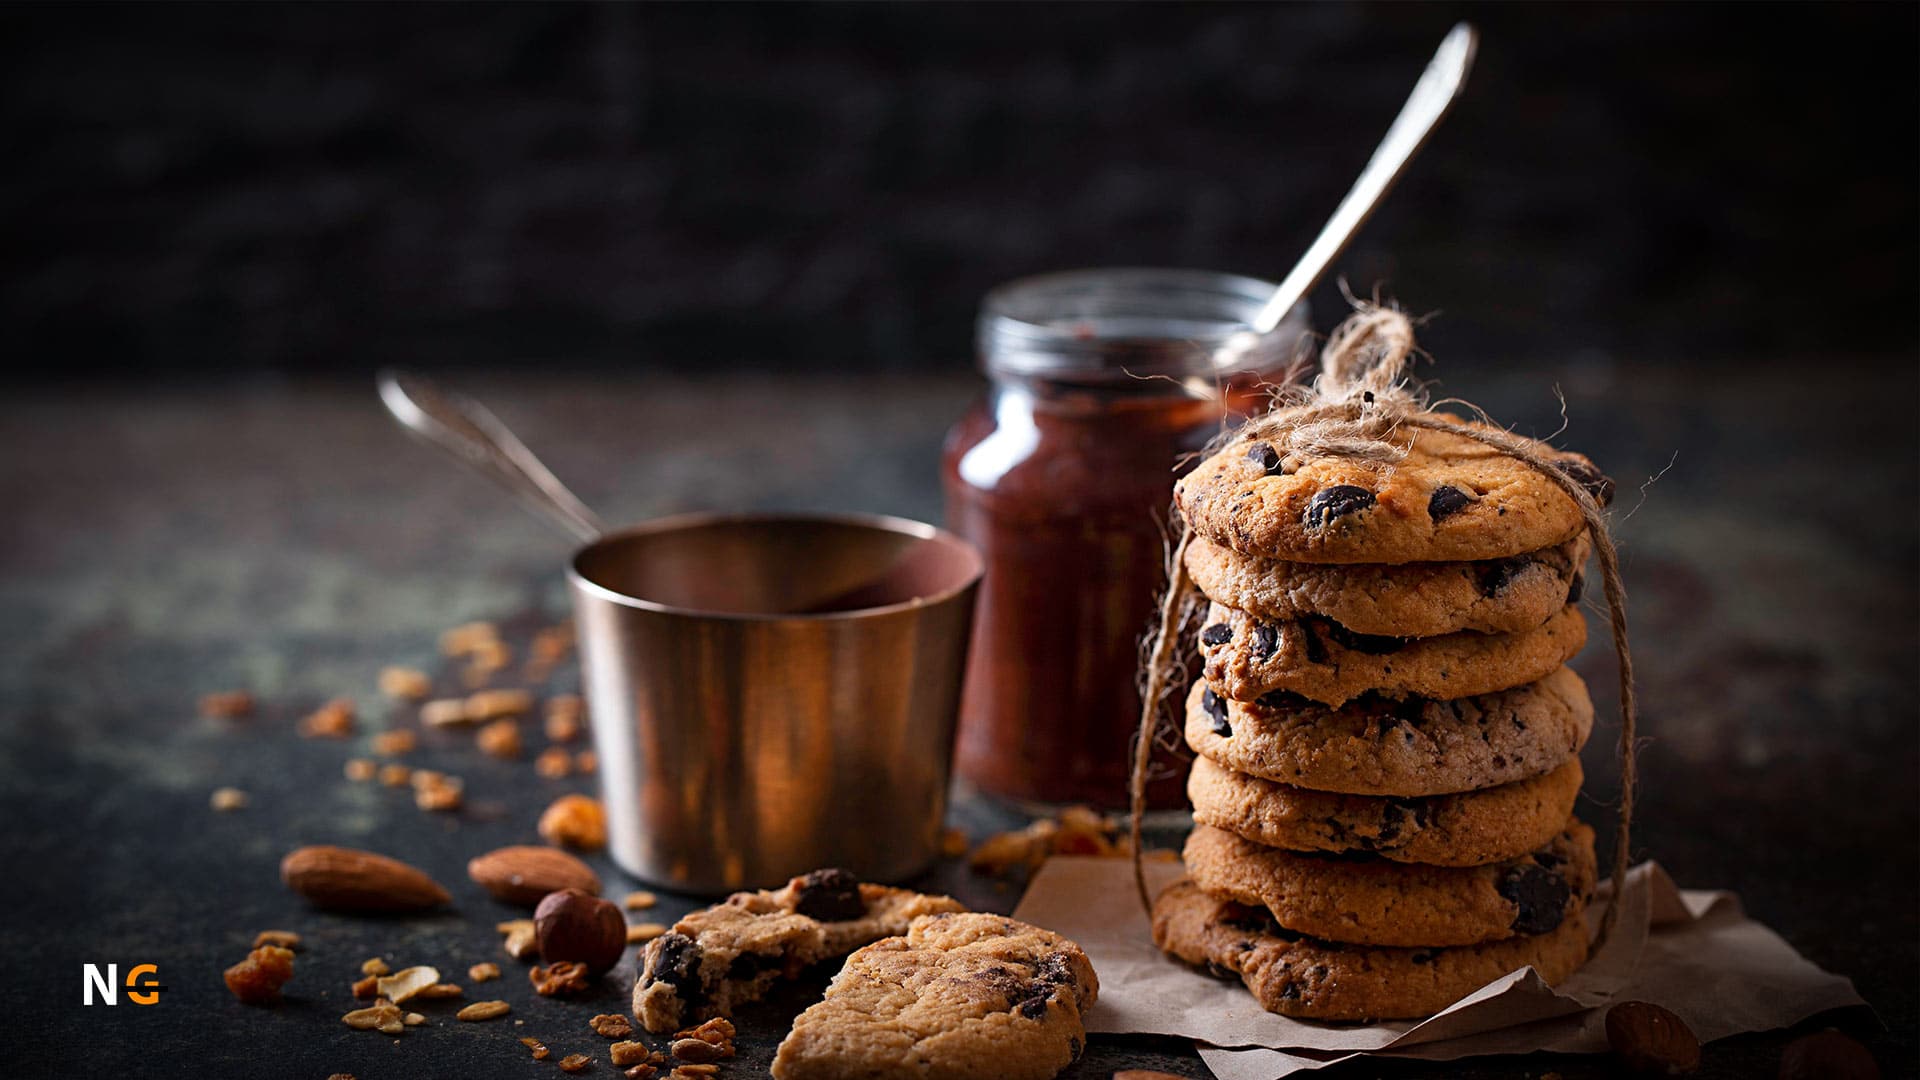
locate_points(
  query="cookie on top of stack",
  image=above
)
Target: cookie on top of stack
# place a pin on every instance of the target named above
(1388, 740)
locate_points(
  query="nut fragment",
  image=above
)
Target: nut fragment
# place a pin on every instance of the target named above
(344, 879)
(1650, 1039)
(718, 1031)
(561, 980)
(227, 798)
(695, 1051)
(405, 683)
(693, 1072)
(360, 770)
(629, 1053)
(484, 972)
(575, 821)
(539, 1048)
(285, 939)
(446, 712)
(334, 720)
(640, 933)
(382, 1016)
(394, 743)
(642, 1071)
(407, 982)
(639, 901)
(375, 966)
(257, 979)
(498, 704)
(368, 987)
(611, 1026)
(523, 874)
(1827, 1055)
(574, 1063)
(440, 991)
(554, 763)
(483, 1010)
(226, 704)
(500, 739)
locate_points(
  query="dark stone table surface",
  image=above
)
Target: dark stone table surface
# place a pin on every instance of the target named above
(166, 541)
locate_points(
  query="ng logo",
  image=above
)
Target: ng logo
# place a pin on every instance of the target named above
(143, 984)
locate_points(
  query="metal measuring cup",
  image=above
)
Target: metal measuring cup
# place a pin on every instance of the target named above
(769, 694)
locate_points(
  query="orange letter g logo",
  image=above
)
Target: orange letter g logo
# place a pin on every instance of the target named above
(144, 991)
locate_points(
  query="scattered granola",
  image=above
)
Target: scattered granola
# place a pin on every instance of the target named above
(441, 991)
(382, 1016)
(414, 1020)
(642, 1071)
(375, 966)
(563, 717)
(483, 1010)
(644, 932)
(394, 743)
(227, 799)
(334, 720)
(563, 979)
(717, 1032)
(695, 1051)
(1078, 830)
(405, 683)
(408, 982)
(586, 762)
(226, 705)
(396, 775)
(257, 979)
(640, 900)
(446, 712)
(539, 1048)
(465, 638)
(554, 763)
(611, 1026)
(574, 1063)
(629, 1053)
(360, 770)
(368, 987)
(500, 739)
(285, 939)
(484, 972)
(693, 1072)
(575, 821)
(435, 791)
(523, 937)
(498, 704)
(953, 843)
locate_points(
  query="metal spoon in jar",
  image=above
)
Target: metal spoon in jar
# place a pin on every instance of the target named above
(1432, 96)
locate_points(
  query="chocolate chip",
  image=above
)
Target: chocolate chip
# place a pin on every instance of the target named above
(1588, 475)
(1217, 634)
(1281, 699)
(1335, 502)
(1447, 501)
(1035, 1007)
(1216, 712)
(1266, 640)
(1495, 574)
(1075, 1045)
(1538, 894)
(1371, 644)
(1290, 991)
(1266, 457)
(1315, 648)
(674, 959)
(1422, 956)
(747, 966)
(831, 895)
(1577, 588)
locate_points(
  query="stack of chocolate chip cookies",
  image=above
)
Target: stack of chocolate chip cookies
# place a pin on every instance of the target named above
(1388, 740)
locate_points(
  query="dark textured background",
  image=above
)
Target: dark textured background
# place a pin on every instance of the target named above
(216, 220)
(832, 188)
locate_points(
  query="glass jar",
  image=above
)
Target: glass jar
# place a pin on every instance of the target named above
(1103, 386)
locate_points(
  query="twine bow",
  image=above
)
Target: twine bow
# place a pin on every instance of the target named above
(1358, 401)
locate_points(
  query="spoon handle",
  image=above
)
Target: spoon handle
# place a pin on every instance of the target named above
(474, 436)
(1439, 85)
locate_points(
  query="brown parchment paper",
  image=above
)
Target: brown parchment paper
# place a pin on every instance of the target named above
(1694, 952)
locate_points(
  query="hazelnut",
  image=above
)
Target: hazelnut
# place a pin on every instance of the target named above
(578, 926)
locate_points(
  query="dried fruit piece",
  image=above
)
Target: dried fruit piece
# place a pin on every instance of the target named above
(575, 821)
(628, 1053)
(539, 1048)
(611, 1026)
(382, 1016)
(334, 720)
(484, 972)
(639, 901)
(523, 874)
(227, 798)
(285, 939)
(574, 1063)
(257, 979)
(554, 763)
(226, 704)
(345, 879)
(560, 980)
(405, 683)
(640, 933)
(394, 743)
(407, 982)
(573, 925)
(483, 1010)
(500, 739)
(1650, 1039)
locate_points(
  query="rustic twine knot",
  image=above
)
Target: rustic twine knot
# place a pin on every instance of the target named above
(1353, 409)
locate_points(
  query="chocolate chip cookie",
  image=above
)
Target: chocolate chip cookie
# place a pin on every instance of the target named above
(1375, 745)
(1372, 901)
(1322, 980)
(959, 997)
(733, 952)
(1318, 658)
(1450, 498)
(1465, 829)
(1411, 600)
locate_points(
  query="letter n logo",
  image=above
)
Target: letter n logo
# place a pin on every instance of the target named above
(108, 984)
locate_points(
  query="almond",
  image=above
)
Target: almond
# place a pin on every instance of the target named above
(1649, 1039)
(524, 874)
(343, 879)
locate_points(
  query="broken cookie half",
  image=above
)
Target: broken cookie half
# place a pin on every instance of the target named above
(961, 996)
(732, 953)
